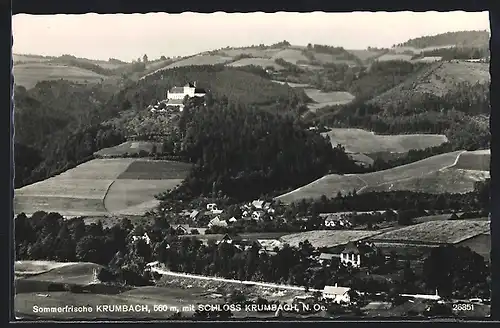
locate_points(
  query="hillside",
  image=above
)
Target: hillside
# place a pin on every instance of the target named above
(29, 74)
(236, 85)
(438, 80)
(460, 38)
(436, 174)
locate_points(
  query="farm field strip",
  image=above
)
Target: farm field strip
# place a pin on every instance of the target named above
(450, 231)
(73, 188)
(328, 238)
(330, 185)
(126, 147)
(323, 99)
(101, 186)
(28, 75)
(262, 62)
(474, 160)
(199, 60)
(124, 194)
(363, 141)
(449, 180)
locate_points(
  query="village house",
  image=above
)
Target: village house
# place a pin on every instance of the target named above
(229, 239)
(217, 222)
(194, 214)
(327, 258)
(181, 229)
(353, 253)
(144, 237)
(339, 295)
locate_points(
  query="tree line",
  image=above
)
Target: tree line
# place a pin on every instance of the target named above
(48, 236)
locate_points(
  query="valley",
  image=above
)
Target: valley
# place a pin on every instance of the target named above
(264, 174)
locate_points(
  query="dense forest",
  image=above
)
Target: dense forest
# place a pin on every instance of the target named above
(251, 152)
(51, 120)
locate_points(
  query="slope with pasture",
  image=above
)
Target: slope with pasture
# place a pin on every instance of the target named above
(438, 79)
(29, 74)
(363, 141)
(90, 188)
(332, 184)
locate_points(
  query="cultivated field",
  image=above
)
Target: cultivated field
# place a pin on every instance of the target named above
(290, 55)
(428, 59)
(254, 52)
(199, 60)
(262, 62)
(29, 59)
(128, 196)
(38, 267)
(292, 85)
(323, 99)
(330, 185)
(450, 232)
(28, 75)
(474, 160)
(399, 50)
(449, 180)
(155, 170)
(363, 141)
(90, 188)
(128, 147)
(80, 273)
(389, 57)
(327, 238)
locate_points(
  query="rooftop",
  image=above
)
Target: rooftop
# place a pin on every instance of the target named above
(335, 290)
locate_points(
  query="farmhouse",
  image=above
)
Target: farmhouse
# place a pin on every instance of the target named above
(176, 95)
(474, 234)
(327, 258)
(337, 294)
(353, 253)
(217, 222)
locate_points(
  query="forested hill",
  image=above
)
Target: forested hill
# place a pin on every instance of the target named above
(252, 152)
(49, 118)
(247, 86)
(477, 39)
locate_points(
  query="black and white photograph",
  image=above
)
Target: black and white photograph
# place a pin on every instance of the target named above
(252, 166)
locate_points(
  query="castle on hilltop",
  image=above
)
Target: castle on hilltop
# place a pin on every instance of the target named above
(176, 95)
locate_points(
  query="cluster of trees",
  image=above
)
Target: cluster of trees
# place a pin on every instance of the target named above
(396, 200)
(247, 152)
(48, 236)
(455, 53)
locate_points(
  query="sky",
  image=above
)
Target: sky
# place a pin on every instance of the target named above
(129, 36)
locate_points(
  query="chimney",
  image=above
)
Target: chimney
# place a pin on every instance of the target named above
(335, 285)
(194, 83)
